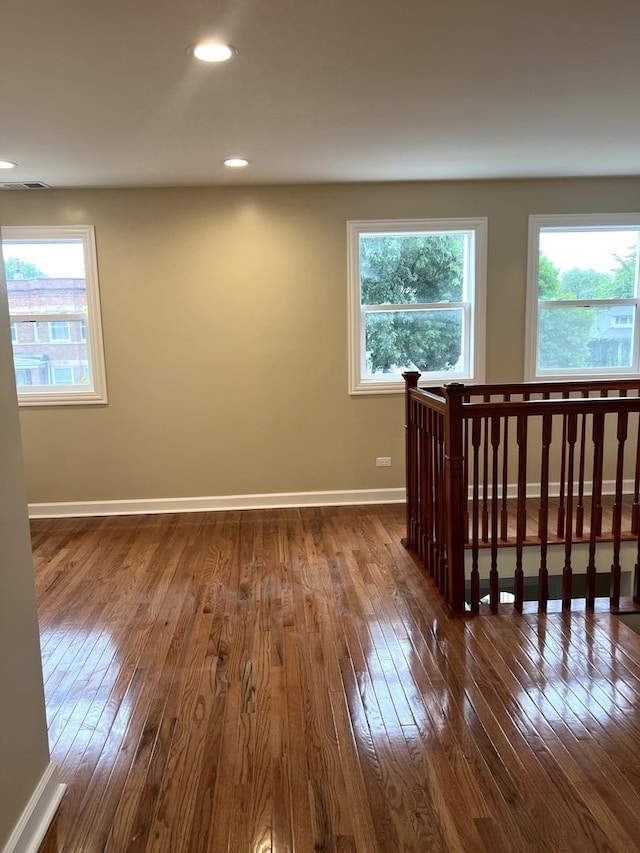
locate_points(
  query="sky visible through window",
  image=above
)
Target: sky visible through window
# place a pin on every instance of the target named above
(59, 259)
(591, 249)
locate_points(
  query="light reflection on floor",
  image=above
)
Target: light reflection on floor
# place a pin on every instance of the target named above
(568, 681)
(87, 696)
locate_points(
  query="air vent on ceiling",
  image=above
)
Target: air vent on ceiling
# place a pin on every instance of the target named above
(25, 185)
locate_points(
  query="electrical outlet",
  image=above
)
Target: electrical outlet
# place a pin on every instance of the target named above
(383, 462)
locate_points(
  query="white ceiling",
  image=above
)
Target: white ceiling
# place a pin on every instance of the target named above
(106, 93)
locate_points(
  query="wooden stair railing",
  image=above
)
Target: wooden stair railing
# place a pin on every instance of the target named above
(475, 453)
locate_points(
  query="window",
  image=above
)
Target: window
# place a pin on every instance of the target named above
(582, 306)
(59, 332)
(22, 378)
(416, 302)
(54, 306)
(62, 375)
(622, 321)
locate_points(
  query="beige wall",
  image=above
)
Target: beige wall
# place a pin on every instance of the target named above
(225, 327)
(24, 754)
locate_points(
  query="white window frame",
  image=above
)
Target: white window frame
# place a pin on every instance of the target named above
(575, 222)
(96, 391)
(14, 332)
(473, 305)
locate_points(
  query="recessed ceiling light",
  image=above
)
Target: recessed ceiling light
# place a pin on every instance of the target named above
(213, 52)
(7, 164)
(236, 162)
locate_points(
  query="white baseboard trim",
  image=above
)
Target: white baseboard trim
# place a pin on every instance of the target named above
(37, 815)
(533, 489)
(75, 509)
(282, 500)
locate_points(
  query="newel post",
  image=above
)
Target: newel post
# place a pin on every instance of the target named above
(456, 499)
(411, 378)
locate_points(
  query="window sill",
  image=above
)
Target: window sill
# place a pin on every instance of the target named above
(62, 399)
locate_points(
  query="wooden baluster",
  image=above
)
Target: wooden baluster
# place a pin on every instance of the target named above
(423, 480)
(476, 438)
(617, 510)
(465, 475)
(635, 510)
(415, 526)
(419, 473)
(436, 543)
(441, 504)
(412, 489)
(435, 449)
(595, 524)
(571, 422)
(599, 514)
(431, 493)
(581, 464)
(424, 474)
(429, 486)
(494, 581)
(543, 515)
(485, 477)
(504, 513)
(444, 517)
(561, 506)
(521, 516)
(431, 465)
(412, 478)
(415, 475)
(410, 381)
(455, 497)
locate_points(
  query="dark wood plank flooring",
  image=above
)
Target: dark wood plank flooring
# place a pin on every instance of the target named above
(289, 681)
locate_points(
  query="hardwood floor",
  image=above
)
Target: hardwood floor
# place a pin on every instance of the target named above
(289, 681)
